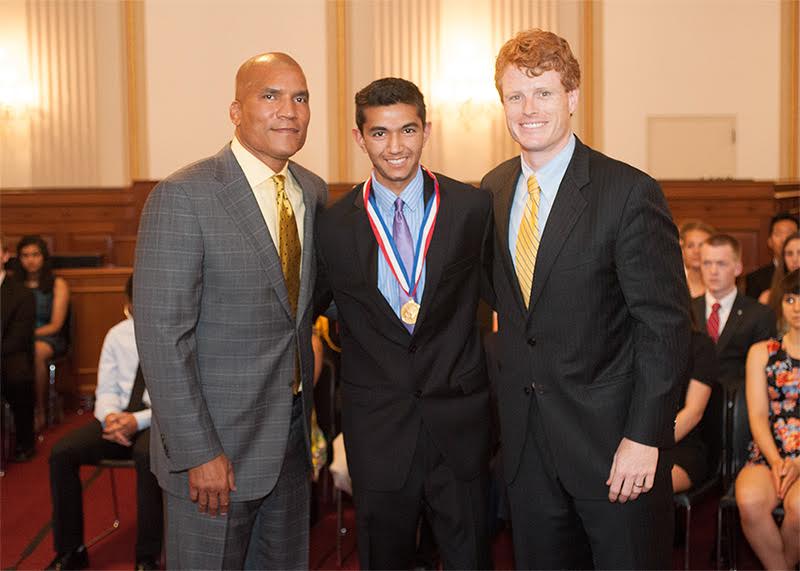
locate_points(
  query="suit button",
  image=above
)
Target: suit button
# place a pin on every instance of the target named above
(412, 348)
(418, 394)
(527, 390)
(532, 341)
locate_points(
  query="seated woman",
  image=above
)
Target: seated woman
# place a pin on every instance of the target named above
(692, 234)
(52, 304)
(790, 261)
(771, 473)
(689, 465)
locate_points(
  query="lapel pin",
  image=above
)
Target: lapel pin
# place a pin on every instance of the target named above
(739, 312)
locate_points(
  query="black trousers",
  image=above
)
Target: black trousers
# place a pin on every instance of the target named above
(84, 446)
(552, 529)
(18, 391)
(387, 522)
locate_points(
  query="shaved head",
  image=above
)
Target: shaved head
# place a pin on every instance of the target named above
(271, 111)
(250, 69)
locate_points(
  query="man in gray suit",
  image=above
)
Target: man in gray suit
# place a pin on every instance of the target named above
(225, 272)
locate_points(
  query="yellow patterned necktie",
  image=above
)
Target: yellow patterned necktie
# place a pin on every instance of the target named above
(290, 252)
(528, 240)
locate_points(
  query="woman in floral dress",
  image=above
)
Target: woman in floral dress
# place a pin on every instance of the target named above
(771, 473)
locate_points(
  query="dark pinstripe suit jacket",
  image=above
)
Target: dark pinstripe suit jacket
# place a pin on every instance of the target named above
(603, 348)
(214, 328)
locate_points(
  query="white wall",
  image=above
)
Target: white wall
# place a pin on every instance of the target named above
(192, 51)
(693, 57)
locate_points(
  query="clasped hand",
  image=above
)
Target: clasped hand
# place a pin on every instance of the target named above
(119, 427)
(784, 474)
(632, 471)
(210, 485)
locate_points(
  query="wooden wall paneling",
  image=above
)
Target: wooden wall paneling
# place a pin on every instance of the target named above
(123, 251)
(97, 296)
(787, 197)
(740, 208)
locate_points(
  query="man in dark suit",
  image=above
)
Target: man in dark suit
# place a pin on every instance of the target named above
(733, 321)
(18, 316)
(593, 330)
(782, 225)
(401, 256)
(224, 280)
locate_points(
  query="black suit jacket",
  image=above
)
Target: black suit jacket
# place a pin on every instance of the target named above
(18, 316)
(758, 280)
(394, 382)
(602, 351)
(749, 322)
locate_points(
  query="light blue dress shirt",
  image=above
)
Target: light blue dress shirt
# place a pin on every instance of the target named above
(549, 178)
(413, 210)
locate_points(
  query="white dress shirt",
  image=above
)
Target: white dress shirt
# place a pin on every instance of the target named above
(258, 177)
(725, 306)
(116, 373)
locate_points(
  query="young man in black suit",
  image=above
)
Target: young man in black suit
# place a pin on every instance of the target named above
(593, 330)
(733, 321)
(401, 255)
(18, 316)
(782, 225)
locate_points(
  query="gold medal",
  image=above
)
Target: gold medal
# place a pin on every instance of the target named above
(409, 312)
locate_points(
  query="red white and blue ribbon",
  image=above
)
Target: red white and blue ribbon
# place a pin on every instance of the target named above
(386, 242)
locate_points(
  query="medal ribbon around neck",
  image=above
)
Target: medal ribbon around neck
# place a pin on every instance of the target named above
(386, 242)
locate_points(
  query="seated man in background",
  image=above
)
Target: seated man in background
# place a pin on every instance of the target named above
(120, 430)
(781, 225)
(18, 316)
(733, 321)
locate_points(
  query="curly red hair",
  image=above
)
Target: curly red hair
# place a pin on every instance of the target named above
(536, 51)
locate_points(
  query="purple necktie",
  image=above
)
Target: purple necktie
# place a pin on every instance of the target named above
(405, 247)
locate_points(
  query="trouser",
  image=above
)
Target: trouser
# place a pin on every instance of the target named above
(85, 445)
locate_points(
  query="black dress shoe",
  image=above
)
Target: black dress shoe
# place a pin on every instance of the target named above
(146, 565)
(75, 559)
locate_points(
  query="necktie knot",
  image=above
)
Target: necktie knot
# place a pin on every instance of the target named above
(715, 307)
(398, 206)
(280, 183)
(533, 186)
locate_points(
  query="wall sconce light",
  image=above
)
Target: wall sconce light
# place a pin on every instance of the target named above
(18, 97)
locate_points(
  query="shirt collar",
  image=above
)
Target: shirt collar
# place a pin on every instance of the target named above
(411, 195)
(550, 175)
(255, 171)
(726, 302)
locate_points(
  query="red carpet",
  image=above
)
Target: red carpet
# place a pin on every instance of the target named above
(25, 518)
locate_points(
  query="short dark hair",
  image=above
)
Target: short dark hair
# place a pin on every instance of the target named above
(388, 91)
(791, 283)
(780, 217)
(129, 289)
(725, 240)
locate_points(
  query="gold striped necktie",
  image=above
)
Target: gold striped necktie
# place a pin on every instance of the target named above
(290, 252)
(528, 240)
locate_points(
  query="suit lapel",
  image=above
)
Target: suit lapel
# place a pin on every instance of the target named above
(367, 252)
(732, 324)
(566, 210)
(310, 201)
(238, 199)
(437, 252)
(699, 308)
(502, 202)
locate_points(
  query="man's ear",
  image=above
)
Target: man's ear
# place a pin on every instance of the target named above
(572, 99)
(235, 112)
(359, 139)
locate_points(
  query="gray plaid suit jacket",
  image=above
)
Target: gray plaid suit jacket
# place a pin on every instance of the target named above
(213, 325)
